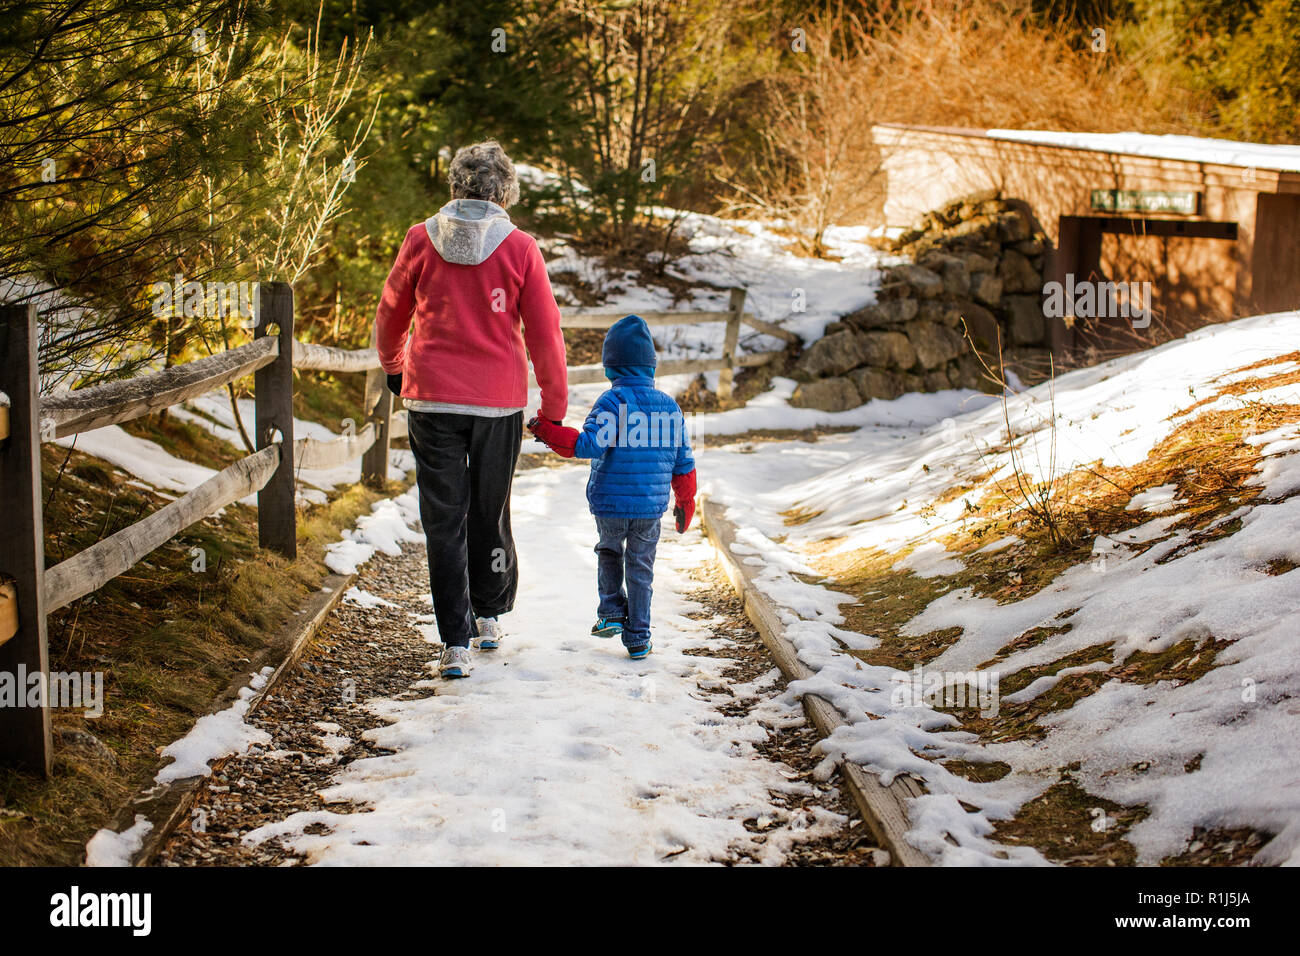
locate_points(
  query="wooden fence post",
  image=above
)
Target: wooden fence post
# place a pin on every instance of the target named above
(24, 730)
(736, 310)
(378, 411)
(273, 397)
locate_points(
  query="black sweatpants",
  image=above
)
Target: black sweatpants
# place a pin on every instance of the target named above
(464, 466)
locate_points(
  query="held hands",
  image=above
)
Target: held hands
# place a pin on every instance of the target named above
(554, 436)
(684, 499)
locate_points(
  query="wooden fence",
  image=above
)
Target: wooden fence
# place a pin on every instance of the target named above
(734, 316)
(31, 590)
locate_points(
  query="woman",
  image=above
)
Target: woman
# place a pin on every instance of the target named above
(467, 294)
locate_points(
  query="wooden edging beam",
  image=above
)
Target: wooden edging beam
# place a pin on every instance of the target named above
(168, 805)
(883, 808)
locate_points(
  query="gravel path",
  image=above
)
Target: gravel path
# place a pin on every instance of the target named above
(557, 750)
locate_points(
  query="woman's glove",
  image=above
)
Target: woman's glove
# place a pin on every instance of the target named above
(684, 499)
(554, 436)
(395, 384)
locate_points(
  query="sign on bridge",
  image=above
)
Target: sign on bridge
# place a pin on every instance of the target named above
(1183, 203)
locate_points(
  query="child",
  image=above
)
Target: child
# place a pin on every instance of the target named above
(635, 436)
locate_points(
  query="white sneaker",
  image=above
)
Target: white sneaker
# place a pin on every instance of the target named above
(455, 662)
(489, 633)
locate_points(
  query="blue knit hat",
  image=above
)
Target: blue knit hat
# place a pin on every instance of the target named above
(628, 342)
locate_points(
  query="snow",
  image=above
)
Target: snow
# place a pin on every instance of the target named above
(214, 736)
(212, 412)
(384, 529)
(362, 598)
(1151, 589)
(560, 749)
(109, 848)
(1154, 500)
(140, 457)
(1000, 544)
(150, 463)
(1192, 149)
(930, 560)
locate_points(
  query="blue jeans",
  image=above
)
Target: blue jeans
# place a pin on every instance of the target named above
(625, 554)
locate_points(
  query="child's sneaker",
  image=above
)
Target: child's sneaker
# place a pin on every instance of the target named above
(640, 650)
(455, 662)
(489, 633)
(608, 627)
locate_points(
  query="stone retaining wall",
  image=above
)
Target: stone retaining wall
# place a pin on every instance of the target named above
(979, 258)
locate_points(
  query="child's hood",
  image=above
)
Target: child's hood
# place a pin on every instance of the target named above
(467, 231)
(629, 343)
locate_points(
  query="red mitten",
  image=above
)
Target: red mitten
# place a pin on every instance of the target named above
(684, 503)
(554, 436)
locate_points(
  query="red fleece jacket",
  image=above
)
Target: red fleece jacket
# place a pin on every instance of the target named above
(457, 333)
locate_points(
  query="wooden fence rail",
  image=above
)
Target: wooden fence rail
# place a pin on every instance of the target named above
(91, 569)
(29, 591)
(115, 402)
(734, 316)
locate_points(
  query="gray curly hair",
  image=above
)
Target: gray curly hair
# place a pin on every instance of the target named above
(484, 171)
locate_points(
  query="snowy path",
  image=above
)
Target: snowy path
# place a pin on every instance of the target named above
(558, 750)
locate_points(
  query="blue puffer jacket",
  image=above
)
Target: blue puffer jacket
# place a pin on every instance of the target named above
(635, 436)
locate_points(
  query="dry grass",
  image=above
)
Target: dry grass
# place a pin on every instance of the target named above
(1208, 459)
(991, 63)
(1221, 847)
(1245, 387)
(1071, 826)
(971, 63)
(798, 516)
(1031, 638)
(978, 772)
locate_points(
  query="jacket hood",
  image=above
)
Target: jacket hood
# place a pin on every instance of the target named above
(467, 231)
(628, 342)
(630, 374)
